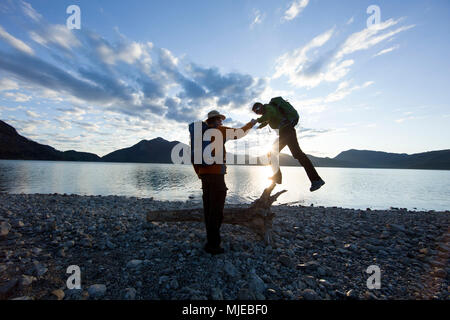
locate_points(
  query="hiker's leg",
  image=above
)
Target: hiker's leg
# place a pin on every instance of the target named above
(205, 197)
(274, 154)
(297, 153)
(274, 157)
(207, 205)
(217, 204)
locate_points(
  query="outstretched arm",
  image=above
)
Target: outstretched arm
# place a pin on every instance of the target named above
(262, 125)
(265, 118)
(237, 133)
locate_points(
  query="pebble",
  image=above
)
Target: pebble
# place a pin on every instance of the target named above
(440, 273)
(285, 260)
(310, 281)
(97, 290)
(216, 294)
(130, 294)
(308, 266)
(231, 270)
(26, 281)
(309, 294)
(244, 294)
(69, 244)
(351, 294)
(39, 269)
(23, 298)
(5, 227)
(59, 294)
(110, 245)
(255, 284)
(6, 288)
(134, 263)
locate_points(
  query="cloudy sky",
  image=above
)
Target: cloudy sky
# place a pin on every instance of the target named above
(142, 69)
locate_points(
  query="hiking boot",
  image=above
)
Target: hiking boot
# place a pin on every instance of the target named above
(316, 185)
(276, 178)
(213, 251)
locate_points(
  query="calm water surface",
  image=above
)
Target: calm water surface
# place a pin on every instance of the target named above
(345, 187)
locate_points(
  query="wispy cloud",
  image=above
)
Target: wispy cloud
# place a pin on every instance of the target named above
(344, 89)
(17, 96)
(55, 34)
(295, 8)
(387, 50)
(320, 104)
(74, 111)
(312, 133)
(32, 114)
(8, 84)
(293, 64)
(258, 18)
(30, 12)
(28, 126)
(370, 37)
(14, 42)
(306, 67)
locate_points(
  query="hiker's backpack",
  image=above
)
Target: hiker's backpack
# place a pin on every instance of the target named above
(204, 144)
(286, 109)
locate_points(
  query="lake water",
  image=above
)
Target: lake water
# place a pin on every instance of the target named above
(345, 187)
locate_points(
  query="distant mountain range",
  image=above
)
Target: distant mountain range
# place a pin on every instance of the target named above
(15, 146)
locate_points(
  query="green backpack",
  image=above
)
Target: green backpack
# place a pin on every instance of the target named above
(285, 108)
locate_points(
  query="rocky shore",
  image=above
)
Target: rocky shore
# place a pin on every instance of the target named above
(321, 253)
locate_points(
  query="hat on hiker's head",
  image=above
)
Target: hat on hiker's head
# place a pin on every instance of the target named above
(215, 114)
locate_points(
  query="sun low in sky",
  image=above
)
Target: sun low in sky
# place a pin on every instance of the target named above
(103, 75)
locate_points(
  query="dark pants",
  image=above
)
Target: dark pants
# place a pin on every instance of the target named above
(288, 137)
(214, 193)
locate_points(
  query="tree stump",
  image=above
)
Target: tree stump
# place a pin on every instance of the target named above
(258, 217)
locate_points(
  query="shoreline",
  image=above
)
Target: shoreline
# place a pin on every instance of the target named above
(321, 252)
(228, 164)
(197, 202)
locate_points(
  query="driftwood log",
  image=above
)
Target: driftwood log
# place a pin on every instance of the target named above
(258, 217)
